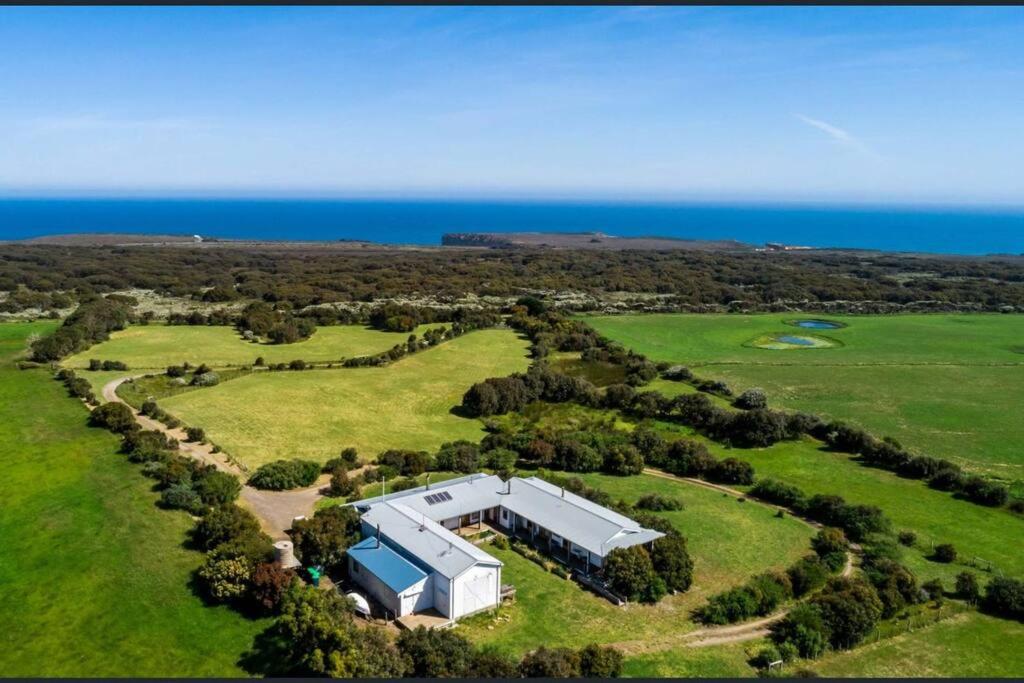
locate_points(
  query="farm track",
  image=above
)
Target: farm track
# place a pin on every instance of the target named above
(275, 510)
(720, 635)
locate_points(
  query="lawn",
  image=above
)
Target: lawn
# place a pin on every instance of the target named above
(966, 645)
(316, 413)
(947, 385)
(719, 661)
(729, 541)
(157, 346)
(94, 579)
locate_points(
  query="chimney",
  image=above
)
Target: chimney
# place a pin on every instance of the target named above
(423, 521)
(563, 492)
(378, 536)
(428, 481)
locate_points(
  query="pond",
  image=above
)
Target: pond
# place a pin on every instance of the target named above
(800, 341)
(817, 324)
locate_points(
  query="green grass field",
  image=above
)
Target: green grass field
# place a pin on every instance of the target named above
(966, 645)
(94, 579)
(946, 385)
(728, 541)
(316, 413)
(157, 346)
(720, 661)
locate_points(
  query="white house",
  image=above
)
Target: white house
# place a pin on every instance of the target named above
(410, 560)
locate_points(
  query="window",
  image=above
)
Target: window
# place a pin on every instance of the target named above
(435, 498)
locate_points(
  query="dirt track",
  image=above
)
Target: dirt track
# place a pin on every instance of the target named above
(274, 509)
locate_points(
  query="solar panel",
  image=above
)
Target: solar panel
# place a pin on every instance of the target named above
(435, 498)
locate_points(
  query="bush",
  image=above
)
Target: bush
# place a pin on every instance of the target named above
(779, 493)
(830, 541)
(671, 561)
(349, 459)
(807, 575)
(752, 399)
(559, 662)
(281, 475)
(967, 587)
(182, 497)
(907, 538)
(456, 456)
(222, 524)
(765, 656)
(206, 379)
(1004, 597)
(804, 629)
(850, 609)
(732, 471)
(195, 434)
(411, 463)
(435, 653)
(944, 552)
(933, 589)
(225, 579)
(600, 662)
(985, 492)
(342, 485)
(117, 417)
(176, 371)
(217, 488)
(659, 503)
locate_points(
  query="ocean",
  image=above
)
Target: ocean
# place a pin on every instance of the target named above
(959, 230)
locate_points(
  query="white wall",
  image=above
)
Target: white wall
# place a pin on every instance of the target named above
(413, 599)
(475, 589)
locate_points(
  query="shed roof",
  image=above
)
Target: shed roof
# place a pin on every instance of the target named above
(395, 571)
(424, 539)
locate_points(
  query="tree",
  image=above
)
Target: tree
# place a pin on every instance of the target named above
(804, 628)
(623, 459)
(181, 496)
(967, 587)
(319, 634)
(688, 458)
(195, 434)
(341, 484)
(223, 523)
(657, 502)
(558, 662)
(671, 560)
(850, 608)
(807, 575)
(435, 653)
(629, 571)
(117, 417)
(732, 471)
(457, 456)
(323, 538)
(600, 662)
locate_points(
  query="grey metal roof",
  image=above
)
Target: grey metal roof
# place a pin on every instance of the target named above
(585, 523)
(418, 492)
(436, 547)
(470, 495)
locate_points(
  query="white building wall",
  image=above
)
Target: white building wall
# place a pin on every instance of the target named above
(475, 589)
(442, 595)
(413, 599)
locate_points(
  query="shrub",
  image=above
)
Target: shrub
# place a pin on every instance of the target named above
(765, 656)
(182, 497)
(933, 589)
(322, 539)
(1004, 597)
(779, 493)
(217, 488)
(752, 399)
(176, 371)
(600, 662)
(349, 459)
(280, 475)
(830, 541)
(804, 629)
(456, 456)
(944, 552)
(850, 609)
(559, 662)
(907, 538)
(225, 579)
(659, 503)
(222, 524)
(435, 653)
(195, 434)
(984, 492)
(117, 417)
(807, 575)
(342, 485)
(672, 563)
(967, 587)
(206, 379)
(732, 471)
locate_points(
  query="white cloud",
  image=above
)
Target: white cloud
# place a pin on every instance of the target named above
(838, 135)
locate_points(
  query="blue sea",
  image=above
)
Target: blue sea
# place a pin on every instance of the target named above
(959, 230)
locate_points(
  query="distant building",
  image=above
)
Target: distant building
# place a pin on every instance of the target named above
(411, 560)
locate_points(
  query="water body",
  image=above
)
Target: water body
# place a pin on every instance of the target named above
(965, 231)
(798, 341)
(817, 324)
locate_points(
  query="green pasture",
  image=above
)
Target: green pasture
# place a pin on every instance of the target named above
(966, 645)
(946, 385)
(728, 540)
(315, 413)
(157, 346)
(94, 578)
(720, 661)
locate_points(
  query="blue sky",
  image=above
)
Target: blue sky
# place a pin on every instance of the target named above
(805, 104)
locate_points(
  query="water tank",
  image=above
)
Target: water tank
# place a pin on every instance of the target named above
(284, 554)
